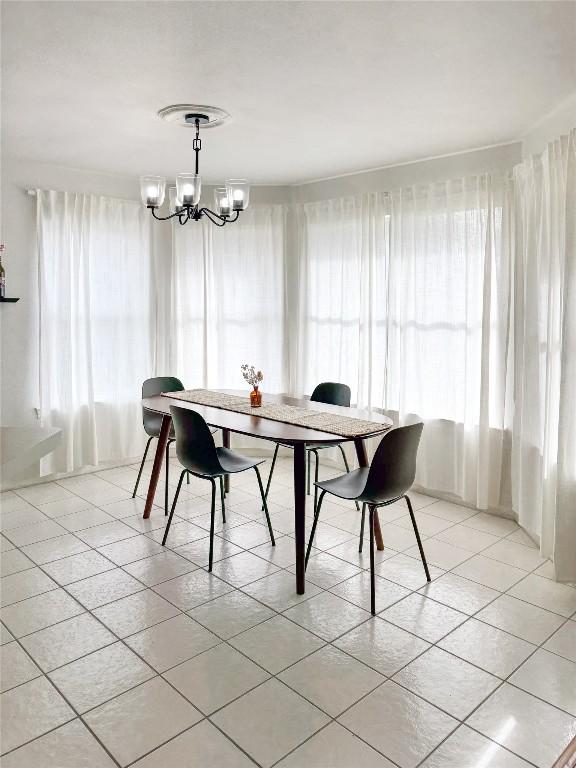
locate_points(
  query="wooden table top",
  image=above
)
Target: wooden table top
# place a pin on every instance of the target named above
(267, 429)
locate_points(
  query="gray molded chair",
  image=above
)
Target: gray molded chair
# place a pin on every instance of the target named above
(152, 421)
(331, 393)
(385, 481)
(199, 455)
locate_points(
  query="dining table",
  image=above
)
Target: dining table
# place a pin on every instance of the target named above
(297, 436)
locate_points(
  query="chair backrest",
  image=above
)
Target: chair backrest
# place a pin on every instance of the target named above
(393, 467)
(332, 393)
(195, 446)
(151, 387)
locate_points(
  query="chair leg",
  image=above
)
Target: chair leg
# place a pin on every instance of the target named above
(362, 528)
(313, 531)
(187, 478)
(212, 515)
(271, 471)
(167, 476)
(347, 469)
(222, 495)
(308, 463)
(265, 506)
(418, 541)
(142, 466)
(316, 478)
(169, 523)
(372, 578)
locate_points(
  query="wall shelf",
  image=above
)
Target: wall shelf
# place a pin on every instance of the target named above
(8, 300)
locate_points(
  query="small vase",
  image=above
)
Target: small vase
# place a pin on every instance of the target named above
(255, 398)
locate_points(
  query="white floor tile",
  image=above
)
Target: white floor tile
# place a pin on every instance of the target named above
(348, 551)
(428, 525)
(86, 518)
(335, 747)
(521, 619)
(488, 647)
(54, 549)
(279, 591)
(130, 550)
(424, 617)
(242, 569)
(216, 677)
(407, 571)
(93, 679)
(331, 679)
(180, 533)
(231, 614)
(283, 554)
(559, 598)
(518, 555)
(489, 572)
(29, 711)
(467, 749)
(326, 571)
(270, 721)
(55, 509)
(193, 589)
(197, 551)
(440, 553)
(399, 724)
(31, 534)
(550, 677)
(382, 646)
(248, 535)
(141, 719)
(128, 508)
(211, 749)
(42, 494)
(327, 615)
(67, 641)
(38, 612)
(448, 682)
(77, 567)
(14, 561)
(467, 538)
(70, 746)
(16, 667)
(106, 533)
(327, 536)
(104, 588)
(5, 635)
(528, 727)
(158, 568)
(171, 642)
(11, 502)
(276, 644)
(357, 590)
(400, 538)
(453, 512)
(20, 586)
(563, 642)
(22, 517)
(522, 537)
(459, 593)
(134, 613)
(498, 526)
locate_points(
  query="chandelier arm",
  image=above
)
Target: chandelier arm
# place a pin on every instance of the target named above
(162, 218)
(218, 220)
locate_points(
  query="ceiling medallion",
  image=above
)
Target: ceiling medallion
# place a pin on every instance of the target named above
(184, 198)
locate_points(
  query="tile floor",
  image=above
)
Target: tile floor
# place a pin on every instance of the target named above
(118, 652)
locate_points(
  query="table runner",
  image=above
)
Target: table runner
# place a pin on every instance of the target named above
(343, 426)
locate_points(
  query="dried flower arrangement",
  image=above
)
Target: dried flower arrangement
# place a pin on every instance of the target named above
(251, 375)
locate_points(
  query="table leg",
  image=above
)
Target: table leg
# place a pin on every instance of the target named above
(226, 444)
(157, 467)
(300, 514)
(363, 462)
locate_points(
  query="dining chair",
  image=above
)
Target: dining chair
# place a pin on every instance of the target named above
(387, 479)
(199, 455)
(331, 393)
(152, 421)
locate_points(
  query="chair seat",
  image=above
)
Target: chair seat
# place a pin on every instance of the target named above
(348, 486)
(232, 462)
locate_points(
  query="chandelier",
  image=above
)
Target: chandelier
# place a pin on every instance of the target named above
(184, 198)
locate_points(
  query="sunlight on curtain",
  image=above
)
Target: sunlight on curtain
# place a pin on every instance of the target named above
(229, 301)
(96, 312)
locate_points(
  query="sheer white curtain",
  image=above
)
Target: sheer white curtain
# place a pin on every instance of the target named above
(544, 323)
(447, 345)
(96, 316)
(229, 300)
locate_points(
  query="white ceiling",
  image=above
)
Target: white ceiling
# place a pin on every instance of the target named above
(315, 88)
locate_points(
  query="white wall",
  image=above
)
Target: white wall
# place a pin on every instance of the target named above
(479, 161)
